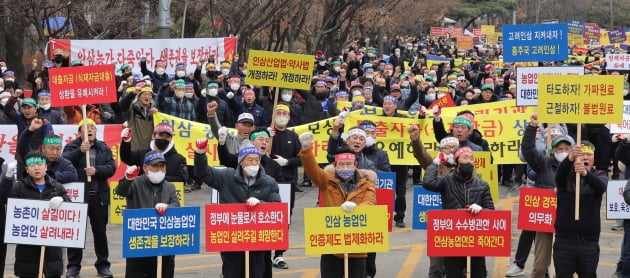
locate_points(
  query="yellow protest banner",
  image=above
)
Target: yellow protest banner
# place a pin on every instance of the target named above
(117, 203)
(589, 99)
(330, 230)
(576, 39)
(464, 42)
(487, 29)
(266, 68)
(603, 37)
(488, 172)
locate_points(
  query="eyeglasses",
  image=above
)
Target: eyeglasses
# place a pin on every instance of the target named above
(36, 166)
(453, 148)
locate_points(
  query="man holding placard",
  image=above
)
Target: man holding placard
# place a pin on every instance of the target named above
(95, 174)
(36, 185)
(346, 187)
(148, 191)
(576, 247)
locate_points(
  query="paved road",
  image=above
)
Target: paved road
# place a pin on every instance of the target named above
(406, 258)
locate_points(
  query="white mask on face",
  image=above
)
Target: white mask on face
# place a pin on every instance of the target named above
(251, 171)
(181, 73)
(369, 141)
(405, 84)
(369, 76)
(156, 177)
(282, 121)
(160, 71)
(225, 71)
(9, 79)
(450, 158)
(213, 92)
(244, 71)
(625, 93)
(430, 98)
(43, 106)
(440, 95)
(235, 86)
(560, 156)
(322, 63)
(3, 69)
(188, 95)
(179, 94)
(4, 101)
(337, 69)
(286, 97)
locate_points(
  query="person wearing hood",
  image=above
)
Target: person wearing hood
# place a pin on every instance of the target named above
(461, 189)
(45, 112)
(247, 184)
(342, 184)
(161, 141)
(150, 190)
(36, 185)
(178, 105)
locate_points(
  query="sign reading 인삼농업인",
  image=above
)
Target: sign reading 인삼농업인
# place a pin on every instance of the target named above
(118, 203)
(330, 230)
(458, 233)
(537, 210)
(235, 227)
(81, 85)
(33, 222)
(266, 68)
(616, 206)
(535, 42)
(424, 200)
(147, 234)
(588, 99)
(527, 81)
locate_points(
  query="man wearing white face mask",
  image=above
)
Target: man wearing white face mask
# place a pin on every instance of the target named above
(247, 184)
(158, 76)
(150, 190)
(53, 116)
(545, 168)
(178, 105)
(224, 114)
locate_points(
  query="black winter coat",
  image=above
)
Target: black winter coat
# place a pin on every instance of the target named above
(176, 169)
(456, 193)
(104, 165)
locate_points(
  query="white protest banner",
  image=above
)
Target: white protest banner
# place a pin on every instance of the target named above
(623, 127)
(173, 51)
(616, 207)
(617, 61)
(76, 191)
(32, 222)
(527, 81)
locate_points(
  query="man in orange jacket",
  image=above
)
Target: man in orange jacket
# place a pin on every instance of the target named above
(341, 184)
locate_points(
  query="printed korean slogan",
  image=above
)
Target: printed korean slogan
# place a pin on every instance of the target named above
(118, 204)
(235, 227)
(535, 42)
(266, 68)
(146, 233)
(459, 233)
(616, 207)
(423, 201)
(537, 210)
(618, 61)
(81, 85)
(624, 126)
(33, 222)
(330, 230)
(172, 51)
(527, 81)
(585, 99)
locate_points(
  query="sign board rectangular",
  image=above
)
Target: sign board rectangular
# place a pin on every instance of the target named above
(624, 126)
(617, 61)
(617, 36)
(527, 81)
(76, 191)
(266, 68)
(576, 27)
(423, 201)
(616, 206)
(588, 99)
(331, 230)
(385, 197)
(487, 29)
(438, 31)
(591, 32)
(117, 203)
(80, 85)
(146, 233)
(458, 233)
(477, 33)
(537, 209)
(464, 42)
(535, 42)
(235, 227)
(33, 222)
(386, 180)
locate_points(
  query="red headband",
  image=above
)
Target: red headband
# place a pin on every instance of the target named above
(344, 156)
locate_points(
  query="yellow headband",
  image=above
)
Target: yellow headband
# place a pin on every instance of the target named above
(283, 107)
(588, 150)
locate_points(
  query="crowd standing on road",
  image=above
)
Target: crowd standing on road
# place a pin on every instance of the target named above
(404, 79)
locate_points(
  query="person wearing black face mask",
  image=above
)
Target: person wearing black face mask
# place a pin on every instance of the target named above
(461, 190)
(316, 103)
(176, 170)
